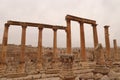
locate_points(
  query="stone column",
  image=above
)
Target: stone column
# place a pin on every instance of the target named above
(4, 44)
(22, 55)
(82, 40)
(39, 56)
(68, 37)
(107, 42)
(55, 43)
(23, 41)
(95, 36)
(115, 50)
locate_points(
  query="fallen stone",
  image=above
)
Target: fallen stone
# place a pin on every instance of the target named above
(105, 78)
(98, 76)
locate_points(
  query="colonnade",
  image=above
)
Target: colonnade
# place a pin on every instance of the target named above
(24, 26)
(40, 27)
(81, 21)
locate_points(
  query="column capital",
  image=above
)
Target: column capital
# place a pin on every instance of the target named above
(94, 25)
(40, 28)
(81, 22)
(106, 26)
(7, 25)
(114, 39)
(54, 29)
(24, 26)
(68, 20)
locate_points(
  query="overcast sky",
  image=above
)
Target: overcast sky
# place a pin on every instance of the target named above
(105, 12)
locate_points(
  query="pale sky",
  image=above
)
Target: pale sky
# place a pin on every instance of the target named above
(105, 12)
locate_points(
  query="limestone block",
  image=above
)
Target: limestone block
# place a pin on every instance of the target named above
(105, 78)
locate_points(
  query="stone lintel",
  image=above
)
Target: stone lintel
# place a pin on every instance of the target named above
(35, 24)
(74, 18)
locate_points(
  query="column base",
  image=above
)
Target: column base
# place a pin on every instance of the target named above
(21, 68)
(39, 66)
(2, 68)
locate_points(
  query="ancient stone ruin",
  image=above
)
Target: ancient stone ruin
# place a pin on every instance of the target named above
(23, 63)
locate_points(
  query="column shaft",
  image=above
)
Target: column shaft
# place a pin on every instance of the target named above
(68, 37)
(95, 36)
(4, 44)
(82, 38)
(23, 41)
(40, 44)
(107, 41)
(115, 50)
(55, 43)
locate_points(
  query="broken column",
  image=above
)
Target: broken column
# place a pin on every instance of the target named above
(95, 36)
(82, 40)
(39, 56)
(115, 50)
(68, 36)
(100, 61)
(67, 62)
(22, 55)
(107, 42)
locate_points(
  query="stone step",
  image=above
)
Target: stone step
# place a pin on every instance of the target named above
(2, 70)
(15, 75)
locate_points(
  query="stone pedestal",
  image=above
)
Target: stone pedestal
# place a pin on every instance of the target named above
(66, 73)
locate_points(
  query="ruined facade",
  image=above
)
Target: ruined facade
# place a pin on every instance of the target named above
(67, 58)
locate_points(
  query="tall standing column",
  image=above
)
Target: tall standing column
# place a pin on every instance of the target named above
(82, 38)
(21, 68)
(55, 43)
(39, 44)
(4, 44)
(107, 42)
(115, 50)
(68, 37)
(95, 36)
(23, 41)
